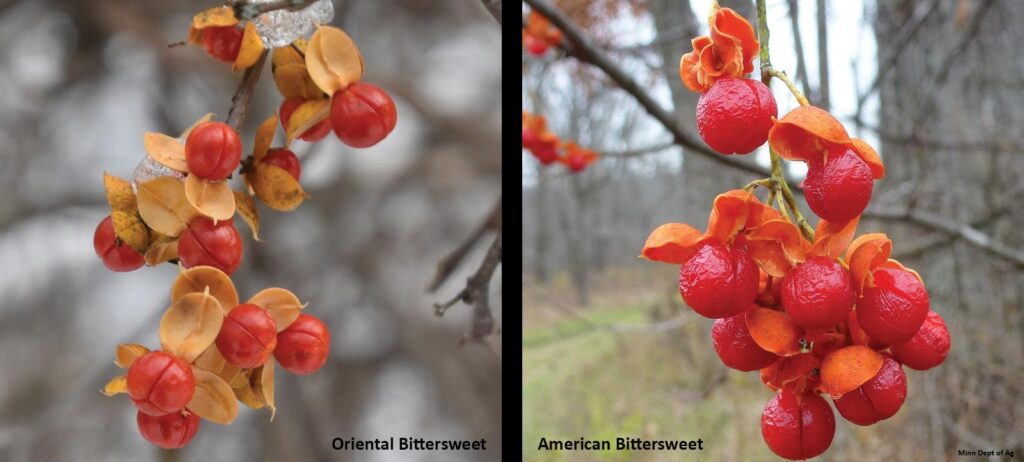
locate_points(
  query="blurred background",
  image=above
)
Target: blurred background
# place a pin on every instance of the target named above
(608, 347)
(80, 81)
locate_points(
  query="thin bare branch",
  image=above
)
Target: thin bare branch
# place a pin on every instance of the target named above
(450, 262)
(494, 7)
(240, 101)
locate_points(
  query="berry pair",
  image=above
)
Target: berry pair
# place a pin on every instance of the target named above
(361, 116)
(249, 336)
(161, 385)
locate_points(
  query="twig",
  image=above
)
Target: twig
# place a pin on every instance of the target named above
(243, 95)
(476, 293)
(494, 7)
(449, 263)
(638, 152)
(247, 10)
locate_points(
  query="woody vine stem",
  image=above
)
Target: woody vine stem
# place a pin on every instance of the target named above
(778, 186)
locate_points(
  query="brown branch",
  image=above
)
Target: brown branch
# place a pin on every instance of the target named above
(247, 10)
(494, 7)
(450, 262)
(243, 95)
(477, 293)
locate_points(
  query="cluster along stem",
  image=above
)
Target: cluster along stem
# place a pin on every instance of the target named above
(779, 187)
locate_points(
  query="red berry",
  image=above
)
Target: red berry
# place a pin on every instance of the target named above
(115, 255)
(160, 384)
(879, 398)
(546, 153)
(224, 42)
(205, 243)
(316, 133)
(171, 431)
(302, 348)
(286, 159)
(362, 115)
(534, 45)
(530, 139)
(894, 307)
(858, 336)
(213, 150)
(247, 336)
(838, 186)
(719, 281)
(818, 293)
(797, 426)
(734, 115)
(577, 163)
(928, 347)
(736, 348)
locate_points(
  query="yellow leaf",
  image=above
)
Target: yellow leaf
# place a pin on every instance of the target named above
(212, 360)
(190, 325)
(263, 385)
(282, 305)
(206, 278)
(247, 396)
(163, 205)
(202, 120)
(307, 115)
(129, 228)
(167, 151)
(195, 36)
(211, 198)
(288, 55)
(115, 386)
(276, 187)
(333, 60)
(293, 81)
(264, 136)
(215, 17)
(162, 249)
(251, 49)
(246, 208)
(119, 193)
(213, 399)
(127, 353)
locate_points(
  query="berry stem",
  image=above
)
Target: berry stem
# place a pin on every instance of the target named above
(780, 188)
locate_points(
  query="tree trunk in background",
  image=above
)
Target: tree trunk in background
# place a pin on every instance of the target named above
(952, 85)
(541, 228)
(823, 92)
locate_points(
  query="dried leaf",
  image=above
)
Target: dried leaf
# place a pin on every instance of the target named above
(333, 60)
(865, 254)
(215, 17)
(264, 137)
(288, 55)
(246, 209)
(282, 304)
(116, 386)
(805, 132)
(777, 246)
(202, 120)
(213, 399)
(251, 48)
(120, 195)
(306, 116)
(129, 228)
(729, 215)
(672, 243)
(211, 198)
(728, 51)
(162, 249)
(831, 239)
(247, 396)
(263, 385)
(773, 331)
(206, 278)
(167, 151)
(190, 325)
(127, 353)
(293, 81)
(212, 360)
(164, 207)
(847, 368)
(788, 369)
(276, 187)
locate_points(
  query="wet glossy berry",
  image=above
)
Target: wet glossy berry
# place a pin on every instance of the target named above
(719, 281)
(115, 255)
(892, 309)
(878, 399)
(818, 293)
(248, 336)
(735, 114)
(316, 133)
(213, 150)
(362, 115)
(858, 336)
(205, 243)
(303, 347)
(171, 431)
(838, 186)
(223, 43)
(736, 348)
(285, 159)
(797, 426)
(160, 384)
(928, 347)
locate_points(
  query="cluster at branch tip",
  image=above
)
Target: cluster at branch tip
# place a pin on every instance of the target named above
(785, 300)
(549, 149)
(216, 351)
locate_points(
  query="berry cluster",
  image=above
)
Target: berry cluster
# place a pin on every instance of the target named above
(545, 146)
(215, 351)
(815, 312)
(539, 35)
(179, 207)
